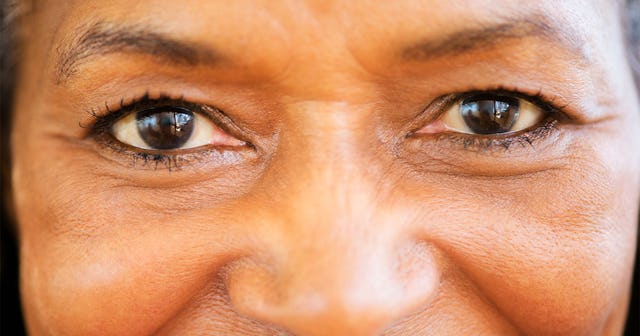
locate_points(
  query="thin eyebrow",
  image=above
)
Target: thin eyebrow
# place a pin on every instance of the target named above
(104, 38)
(493, 36)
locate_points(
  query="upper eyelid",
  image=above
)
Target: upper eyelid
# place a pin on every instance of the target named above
(141, 102)
(539, 99)
(105, 115)
(440, 105)
(102, 117)
(108, 115)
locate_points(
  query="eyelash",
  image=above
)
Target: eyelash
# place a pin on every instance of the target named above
(108, 116)
(528, 137)
(104, 120)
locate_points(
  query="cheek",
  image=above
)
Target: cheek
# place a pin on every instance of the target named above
(96, 259)
(126, 278)
(553, 252)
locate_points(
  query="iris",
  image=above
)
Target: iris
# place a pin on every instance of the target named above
(486, 114)
(165, 128)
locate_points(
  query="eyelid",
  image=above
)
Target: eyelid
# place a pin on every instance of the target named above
(107, 116)
(538, 98)
(535, 115)
(525, 140)
(547, 103)
(205, 133)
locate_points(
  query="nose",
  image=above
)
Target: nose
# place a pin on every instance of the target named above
(353, 289)
(334, 251)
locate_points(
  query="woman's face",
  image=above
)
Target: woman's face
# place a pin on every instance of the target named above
(325, 168)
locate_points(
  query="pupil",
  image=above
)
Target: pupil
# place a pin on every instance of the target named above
(490, 114)
(166, 127)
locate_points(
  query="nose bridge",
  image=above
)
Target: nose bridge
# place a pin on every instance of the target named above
(334, 130)
(323, 170)
(329, 184)
(330, 245)
(327, 206)
(335, 259)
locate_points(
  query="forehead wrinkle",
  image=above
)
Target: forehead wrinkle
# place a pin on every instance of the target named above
(102, 38)
(491, 35)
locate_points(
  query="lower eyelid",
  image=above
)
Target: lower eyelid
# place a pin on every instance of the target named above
(464, 156)
(139, 158)
(526, 140)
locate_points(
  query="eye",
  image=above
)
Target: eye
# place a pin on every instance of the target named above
(488, 114)
(170, 128)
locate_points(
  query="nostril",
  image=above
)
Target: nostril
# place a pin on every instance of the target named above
(356, 294)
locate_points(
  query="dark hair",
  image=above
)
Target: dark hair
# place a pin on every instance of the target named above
(10, 13)
(631, 25)
(12, 322)
(631, 22)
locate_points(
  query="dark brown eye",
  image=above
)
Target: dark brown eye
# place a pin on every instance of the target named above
(487, 114)
(490, 114)
(165, 127)
(168, 127)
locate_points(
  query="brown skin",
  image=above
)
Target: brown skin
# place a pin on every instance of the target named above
(340, 220)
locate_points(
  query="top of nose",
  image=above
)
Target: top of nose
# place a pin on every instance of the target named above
(326, 257)
(336, 293)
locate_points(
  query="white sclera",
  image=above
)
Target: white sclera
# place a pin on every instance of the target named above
(205, 132)
(529, 116)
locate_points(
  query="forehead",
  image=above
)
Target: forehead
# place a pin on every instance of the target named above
(326, 15)
(283, 27)
(270, 37)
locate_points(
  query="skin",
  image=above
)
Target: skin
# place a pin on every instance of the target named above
(340, 219)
